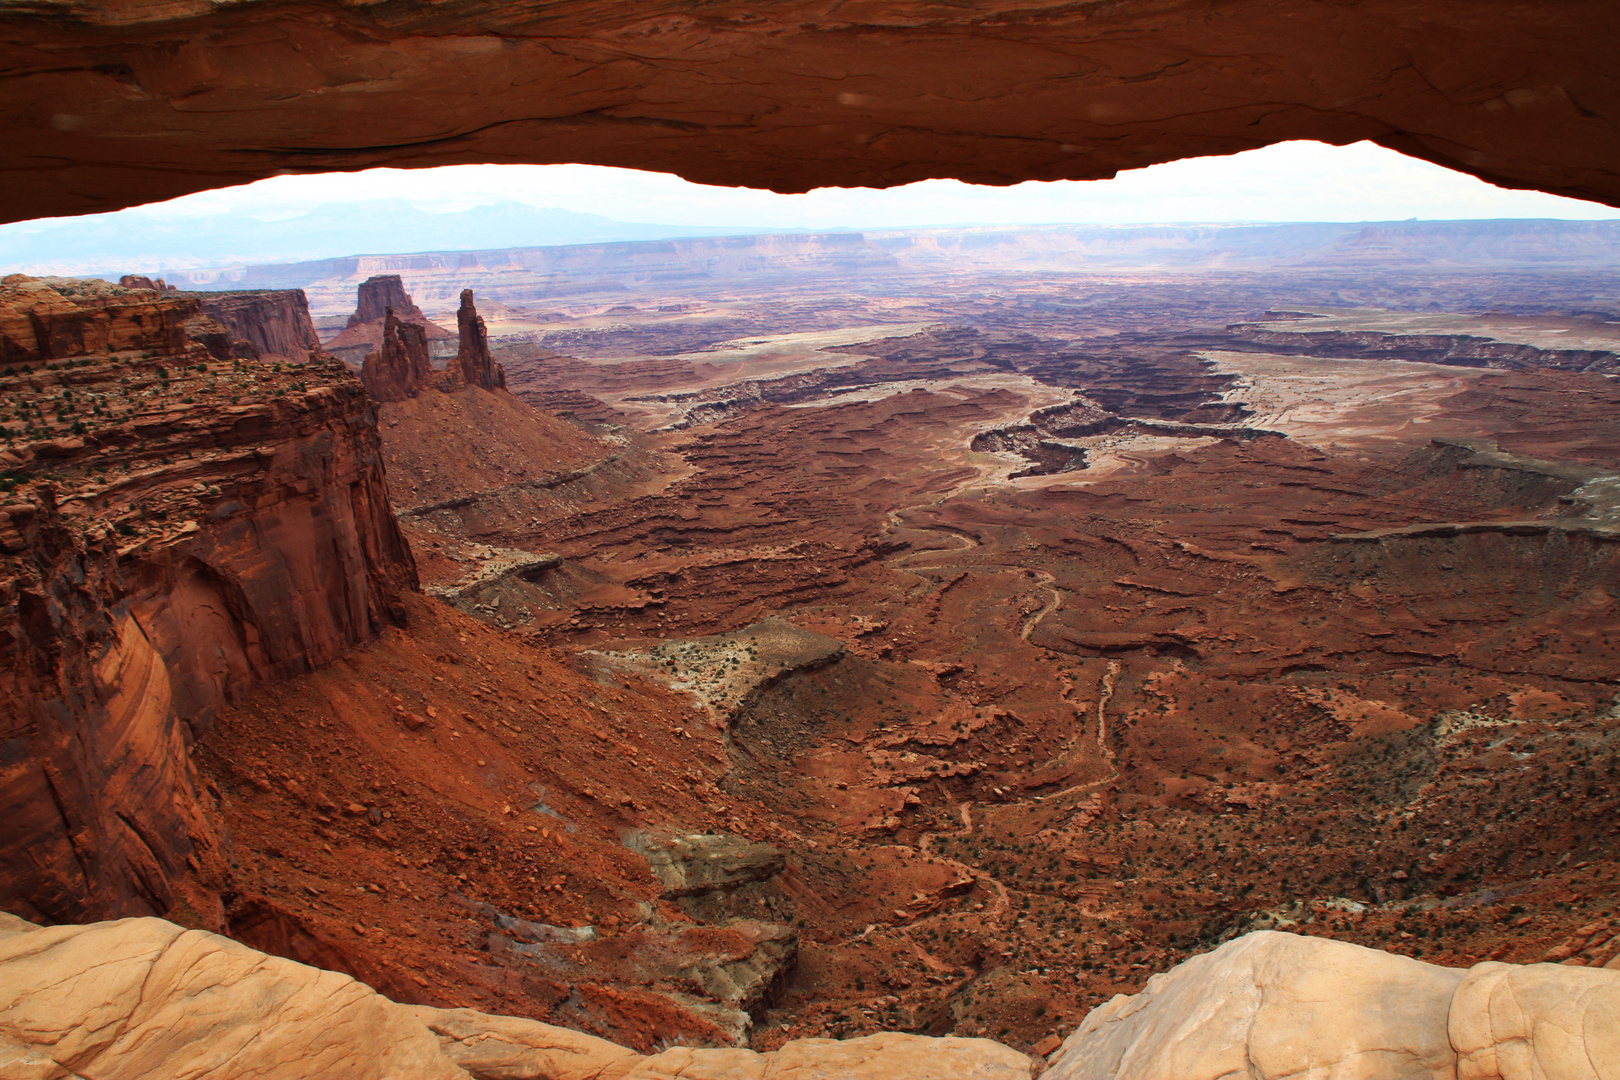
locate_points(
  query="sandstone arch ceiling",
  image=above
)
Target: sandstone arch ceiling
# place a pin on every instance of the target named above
(109, 103)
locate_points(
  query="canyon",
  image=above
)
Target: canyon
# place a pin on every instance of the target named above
(977, 652)
(774, 661)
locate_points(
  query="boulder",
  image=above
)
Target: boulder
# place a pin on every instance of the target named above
(141, 998)
(705, 862)
(1271, 1005)
(1538, 1021)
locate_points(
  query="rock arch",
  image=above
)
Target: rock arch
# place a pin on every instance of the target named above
(108, 104)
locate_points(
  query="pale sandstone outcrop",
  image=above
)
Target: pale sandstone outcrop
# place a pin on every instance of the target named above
(142, 998)
(1272, 1005)
(1540, 1021)
(145, 998)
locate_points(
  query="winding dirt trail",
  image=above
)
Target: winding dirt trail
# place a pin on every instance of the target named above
(1105, 693)
(1054, 600)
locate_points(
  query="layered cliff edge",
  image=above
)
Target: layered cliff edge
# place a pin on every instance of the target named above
(144, 997)
(176, 528)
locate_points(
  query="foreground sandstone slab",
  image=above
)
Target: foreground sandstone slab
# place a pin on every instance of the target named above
(145, 998)
(1270, 1005)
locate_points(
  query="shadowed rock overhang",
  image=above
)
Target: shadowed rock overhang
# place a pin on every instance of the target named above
(110, 104)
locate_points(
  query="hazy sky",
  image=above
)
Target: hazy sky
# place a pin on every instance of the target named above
(1298, 181)
(292, 218)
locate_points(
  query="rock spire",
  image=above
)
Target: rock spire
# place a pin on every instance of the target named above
(473, 366)
(402, 368)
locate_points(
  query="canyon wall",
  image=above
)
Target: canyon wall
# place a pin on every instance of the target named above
(274, 321)
(794, 96)
(178, 531)
(43, 320)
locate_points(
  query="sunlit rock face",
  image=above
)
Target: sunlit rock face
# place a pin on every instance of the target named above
(790, 95)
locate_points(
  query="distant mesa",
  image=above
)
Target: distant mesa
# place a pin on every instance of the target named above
(140, 281)
(379, 294)
(365, 331)
(522, 275)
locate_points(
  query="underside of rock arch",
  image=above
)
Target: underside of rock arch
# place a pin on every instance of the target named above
(109, 104)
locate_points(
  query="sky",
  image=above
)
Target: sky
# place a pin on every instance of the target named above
(1295, 181)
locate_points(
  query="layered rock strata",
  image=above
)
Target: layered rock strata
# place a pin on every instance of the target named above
(275, 322)
(176, 529)
(43, 320)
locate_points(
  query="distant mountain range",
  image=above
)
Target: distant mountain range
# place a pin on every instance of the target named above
(145, 241)
(1473, 244)
(520, 274)
(552, 253)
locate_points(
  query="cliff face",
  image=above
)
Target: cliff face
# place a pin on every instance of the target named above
(183, 531)
(275, 322)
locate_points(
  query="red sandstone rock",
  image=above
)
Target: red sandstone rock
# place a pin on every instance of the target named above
(365, 332)
(203, 531)
(402, 368)
(794, 96)
(382, 294)
(473, 365)
(40, 322)
(140, 281)
(274, 321)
